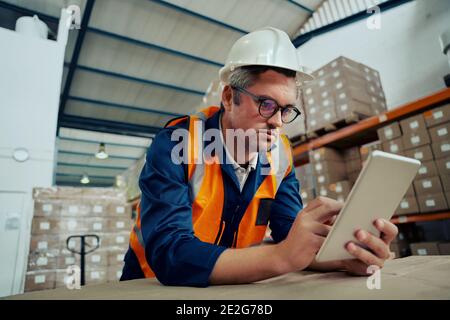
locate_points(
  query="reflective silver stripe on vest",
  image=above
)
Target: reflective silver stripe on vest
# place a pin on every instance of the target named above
(280, 161)
(201, 116)
(139, 235)
(199, 169)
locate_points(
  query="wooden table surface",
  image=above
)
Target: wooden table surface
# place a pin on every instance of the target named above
(415, 277)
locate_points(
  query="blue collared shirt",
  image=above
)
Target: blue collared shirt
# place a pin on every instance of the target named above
(173, 252)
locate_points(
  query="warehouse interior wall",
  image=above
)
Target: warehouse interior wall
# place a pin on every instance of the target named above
(405, 50)
(30, 81)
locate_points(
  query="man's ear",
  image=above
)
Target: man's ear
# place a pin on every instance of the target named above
(227, 97)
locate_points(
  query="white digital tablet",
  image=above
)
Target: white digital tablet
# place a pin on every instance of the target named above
(377, 192)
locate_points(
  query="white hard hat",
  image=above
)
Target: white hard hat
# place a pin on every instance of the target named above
(266, 47)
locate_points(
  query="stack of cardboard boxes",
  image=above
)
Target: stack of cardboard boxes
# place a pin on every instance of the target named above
(62, 212)
(304, 175)
(431, 248)
(327, 173)
(425, 137)
(342, 89)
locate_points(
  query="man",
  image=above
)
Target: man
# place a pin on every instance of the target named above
(201, 223)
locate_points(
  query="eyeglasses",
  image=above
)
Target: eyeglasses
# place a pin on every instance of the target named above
(268, 107)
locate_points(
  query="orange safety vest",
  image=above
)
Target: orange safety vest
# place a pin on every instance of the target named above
(205, 181)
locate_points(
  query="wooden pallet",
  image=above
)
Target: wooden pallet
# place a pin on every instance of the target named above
(336, 125)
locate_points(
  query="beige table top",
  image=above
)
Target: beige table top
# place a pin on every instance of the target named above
(413, 277)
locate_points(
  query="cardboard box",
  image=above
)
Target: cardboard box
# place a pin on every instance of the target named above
(352, 177)
(96, 225)
(440, 132)
(40, 280)
(408, 205)
(422, 153)
(340, 190)
(394, 146)
(443, 165)
(400, 249)
(351, 154)
(324, 154)
(306, 182)
(437, 115)
(410, 192)
(353, 166)
(394, 248)
(330, 177)
(352, 91)
(427, 169)
(97, 258)
(413, 124)
(119, 210)
(429, 185)
(389, 132)
(369, 147)
(116, 257)
(445, 180)
(444, 248)
(307, 195)
(67, 259)
(63, 278)
(415, 139)
(116, 240)
(347, 107)
(96, 275)
(117, 225)
(114, 273)
(425, 248)
(46, 208)
(41, 261)
(45, 243)
(304, 170)
(441, 149)
(44, 226)
(328, 115)
(321, 167)
(432, 202)
(72, 225)
(75, 208)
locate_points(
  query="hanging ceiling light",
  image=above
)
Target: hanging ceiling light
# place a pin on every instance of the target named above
(101, 154)
(85, 179)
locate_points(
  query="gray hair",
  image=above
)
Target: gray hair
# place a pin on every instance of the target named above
(247, 76)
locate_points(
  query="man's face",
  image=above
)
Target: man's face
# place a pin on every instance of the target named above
(272, 85)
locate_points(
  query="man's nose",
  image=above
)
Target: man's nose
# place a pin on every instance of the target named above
(275, 120)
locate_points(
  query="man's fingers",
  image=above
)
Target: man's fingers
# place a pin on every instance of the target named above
(388, 230)
(375, 244)
(320, 229)
(325, 211)
(362, 254)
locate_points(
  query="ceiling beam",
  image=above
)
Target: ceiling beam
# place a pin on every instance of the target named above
(140, 80)
(77, 122)
(303, 7)
(199, 16)
(84, 154)
(79, 165)
(97, 142)
(75, 56)
(154, 46)
(123, 106)
(28, 12)
(303, 38)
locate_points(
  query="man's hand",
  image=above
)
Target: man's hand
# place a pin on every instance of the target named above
(308, 233)
(378, 247)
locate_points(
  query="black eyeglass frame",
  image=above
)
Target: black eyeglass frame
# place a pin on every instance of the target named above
(260, 100)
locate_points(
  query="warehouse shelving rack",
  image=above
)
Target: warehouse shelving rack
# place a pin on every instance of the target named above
(365, 131)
